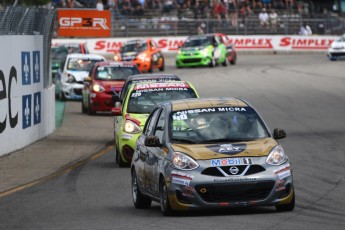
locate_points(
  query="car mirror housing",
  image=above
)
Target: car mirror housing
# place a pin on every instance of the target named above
(116, 111)
(279, 134)
(115, 98)
(87, 79)
(152, 141)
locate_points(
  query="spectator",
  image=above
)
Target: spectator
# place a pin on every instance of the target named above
(99, 5)
(273, 20)
(201, 29)
(126, 8)
(220, 12)
(305, 30)
(138, 8)
(168, 6)
(111, 4)
(233, 11)
(256, 6)
(70, 3)
(267, 4)
(289, 4)
(264, 18)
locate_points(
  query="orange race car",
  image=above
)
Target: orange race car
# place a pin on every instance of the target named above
(144, 52)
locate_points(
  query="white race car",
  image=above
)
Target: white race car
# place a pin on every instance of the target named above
(337, 49)
(69, 79)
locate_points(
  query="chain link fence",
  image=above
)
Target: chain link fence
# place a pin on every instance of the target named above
(31, 21)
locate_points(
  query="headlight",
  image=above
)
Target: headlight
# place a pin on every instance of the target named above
(98, 88)
(142, 56)
(117, 57)
(70, 78)
(277, 156)
(183, 162)
(131, 127)
(179, 52)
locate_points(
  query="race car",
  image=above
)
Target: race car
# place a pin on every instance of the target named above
(130, 116)
(210, 153)
(202, 50)
(143, 52)
(337, 49)
(105, 79)
(230, 48)
(69, 79)
(146, 78)
(60, 51)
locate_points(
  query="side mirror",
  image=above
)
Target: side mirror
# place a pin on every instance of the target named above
(116, 111)
(115, 98)
(279, 133)
(87, 79)
(152, 141)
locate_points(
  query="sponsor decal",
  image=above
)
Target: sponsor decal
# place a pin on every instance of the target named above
(280, 185)
(26, 71)
(225, 180)
(177, 180)
(305, 43)
(127, 136)
(283, 171)
(108, 46)
(234, 170)
(252, 42)
(182, 175)
(239, 203)
(37, 108)
(26, 111)
(188, 191)
(84, 23)
(230, 149)
(36, 66)
(226, 161)
(161, 85)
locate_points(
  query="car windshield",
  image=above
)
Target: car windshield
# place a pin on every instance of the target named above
(134, 47)
(212, 125)
(81, 64)
(115, 72)
(59, 53)
(73, 48)
(143, 101)
(200, 41)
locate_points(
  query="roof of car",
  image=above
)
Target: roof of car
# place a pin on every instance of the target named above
(153, 76)
(207, 103)
(115, 63)
(75, 55)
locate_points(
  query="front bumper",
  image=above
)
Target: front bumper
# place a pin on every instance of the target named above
(127, 144)
(195, 190)
(101, 101)
(72, 91)
(183, 60)
(336, 53)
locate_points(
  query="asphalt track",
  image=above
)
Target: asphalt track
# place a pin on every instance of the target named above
(305, 94)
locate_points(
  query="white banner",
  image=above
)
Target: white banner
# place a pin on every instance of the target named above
(246, 43)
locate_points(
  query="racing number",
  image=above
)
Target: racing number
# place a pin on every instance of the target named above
(13, 120)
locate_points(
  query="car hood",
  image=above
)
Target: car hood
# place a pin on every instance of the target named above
(197, 48)
(110, 86)
(257, 148)
(129, 54)
(140, 117)
(338, 44)
(79, 75)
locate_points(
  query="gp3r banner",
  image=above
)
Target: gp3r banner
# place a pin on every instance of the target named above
(84, 23)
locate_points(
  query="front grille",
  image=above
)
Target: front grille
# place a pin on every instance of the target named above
(223, 171)
(342, 54)
(191, 60)
(247, 191)
(78, 92)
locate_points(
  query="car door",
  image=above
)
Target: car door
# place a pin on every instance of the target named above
(155, 155)
(144, 160)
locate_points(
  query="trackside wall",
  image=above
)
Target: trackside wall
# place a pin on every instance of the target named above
(288, 43)
(27, 107)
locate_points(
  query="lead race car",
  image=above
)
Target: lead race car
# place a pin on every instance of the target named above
(337, 49)
(210, 153)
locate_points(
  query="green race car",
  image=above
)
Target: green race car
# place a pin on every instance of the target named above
(131, 114)
(202, 50)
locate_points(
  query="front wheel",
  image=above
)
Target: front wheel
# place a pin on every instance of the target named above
(212, 62)
(234, 59)
(164, 199)
(83, 108)
(140, 201)
(90, 110)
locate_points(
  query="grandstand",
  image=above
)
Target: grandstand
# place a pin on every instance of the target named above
(156, 20)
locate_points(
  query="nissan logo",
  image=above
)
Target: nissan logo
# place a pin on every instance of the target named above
(234, 170)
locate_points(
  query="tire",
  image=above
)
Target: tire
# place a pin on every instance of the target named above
(119, 160)
(140, 201)
(212, 62)
(83, 108)
(164, 199)
(90, 111)
(234, 60)
(151, 68)
(226, 61)
(287, 207)
(162, 68)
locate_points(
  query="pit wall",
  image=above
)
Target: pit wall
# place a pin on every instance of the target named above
(242, 43)
(27, 109)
